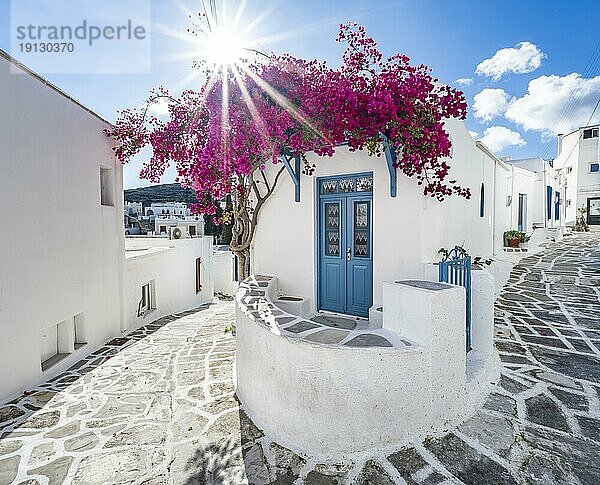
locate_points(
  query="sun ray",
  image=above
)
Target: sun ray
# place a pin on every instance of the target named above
(224, 109)
(282, 101)
(262, 129)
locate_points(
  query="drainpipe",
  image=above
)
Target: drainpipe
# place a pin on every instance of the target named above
(494, 193)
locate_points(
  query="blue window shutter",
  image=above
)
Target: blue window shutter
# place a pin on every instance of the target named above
(482, 201)
(549, 192)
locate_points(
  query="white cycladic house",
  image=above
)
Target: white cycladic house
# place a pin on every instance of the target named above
(134, 209)
(402, 233)
(60, 276)
(364, 242)
(537, 195)
(168, 209)
(163, 276)
(578, 160)
(190, 226)
(65, 284)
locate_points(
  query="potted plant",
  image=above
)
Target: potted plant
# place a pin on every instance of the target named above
(514, 238)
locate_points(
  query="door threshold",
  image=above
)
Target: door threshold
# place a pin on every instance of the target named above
(340, 320)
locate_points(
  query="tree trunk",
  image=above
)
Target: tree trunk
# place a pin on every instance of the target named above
(245, 218)
(243, 257)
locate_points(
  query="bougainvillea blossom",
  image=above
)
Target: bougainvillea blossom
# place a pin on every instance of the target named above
(222, 137)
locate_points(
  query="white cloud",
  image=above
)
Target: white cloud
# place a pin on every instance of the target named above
(160, 107)
(549, 107)
(464, 81)
(522, 58)
(490, 103)
(497, 138)
(474, 134)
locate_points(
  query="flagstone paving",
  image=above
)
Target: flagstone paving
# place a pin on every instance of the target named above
(158, 406)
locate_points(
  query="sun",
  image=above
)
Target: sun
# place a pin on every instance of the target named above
(224, 47)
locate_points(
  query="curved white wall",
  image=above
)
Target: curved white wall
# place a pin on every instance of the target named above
(337, 400)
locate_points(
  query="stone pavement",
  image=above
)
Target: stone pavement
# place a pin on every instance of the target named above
(158, 406)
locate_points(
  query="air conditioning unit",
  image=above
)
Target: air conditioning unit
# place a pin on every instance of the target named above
(175, 233)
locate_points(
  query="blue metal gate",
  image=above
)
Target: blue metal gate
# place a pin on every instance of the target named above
(455, 269)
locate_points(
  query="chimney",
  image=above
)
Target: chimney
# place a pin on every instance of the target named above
(559, 148)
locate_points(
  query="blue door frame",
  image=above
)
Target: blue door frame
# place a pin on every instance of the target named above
(345, 244)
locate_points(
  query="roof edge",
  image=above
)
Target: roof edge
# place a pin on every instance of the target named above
(55, 88)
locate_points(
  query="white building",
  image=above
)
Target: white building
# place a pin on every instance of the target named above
(363, 241)
(66, 286)
(190, 226)
(168, 209)
(134, 209)
(60, 282)
(163, 276)
(578, 159)
(404, 232)
(536, 195)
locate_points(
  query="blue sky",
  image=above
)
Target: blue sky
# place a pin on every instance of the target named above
(530, 92)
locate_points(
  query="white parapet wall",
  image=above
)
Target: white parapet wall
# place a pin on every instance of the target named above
(223, 270)
(170, 268)
(482, 310)
(333, 392)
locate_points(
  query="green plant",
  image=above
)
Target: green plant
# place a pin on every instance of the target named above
(512, 235)
(445, 252)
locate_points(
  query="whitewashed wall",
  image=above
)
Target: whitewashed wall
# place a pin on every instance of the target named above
(223, 270)
(407, 230)
(588, 183)
(573, 159)
(62, 253)
(171, 264)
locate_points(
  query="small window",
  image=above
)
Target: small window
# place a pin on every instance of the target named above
(59, 340)
(569, 169)
(568, 202)
(79, 334)
(594, 167)
(198, 275)
(192, 231)
(163, 229)
(590, 133)
(106, 187)
(482, 201)
(147, 302)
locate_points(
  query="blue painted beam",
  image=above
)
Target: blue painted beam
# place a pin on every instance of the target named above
(294, 172)
(390, 157)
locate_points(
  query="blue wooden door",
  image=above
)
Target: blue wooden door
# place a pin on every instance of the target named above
(332, 260)
(345, 266)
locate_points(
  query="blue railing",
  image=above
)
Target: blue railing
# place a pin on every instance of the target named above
(455, 269)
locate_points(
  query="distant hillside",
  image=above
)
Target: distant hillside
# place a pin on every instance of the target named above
(160, 193)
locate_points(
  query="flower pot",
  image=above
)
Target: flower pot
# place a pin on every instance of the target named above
(513, 243)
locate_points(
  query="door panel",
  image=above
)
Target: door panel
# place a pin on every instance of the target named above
(332, 268)
(359, 287)
(522, 220)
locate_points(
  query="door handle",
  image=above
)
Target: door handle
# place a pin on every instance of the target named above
(348, 254)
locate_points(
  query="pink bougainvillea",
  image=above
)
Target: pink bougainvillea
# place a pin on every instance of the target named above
(222, 136)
